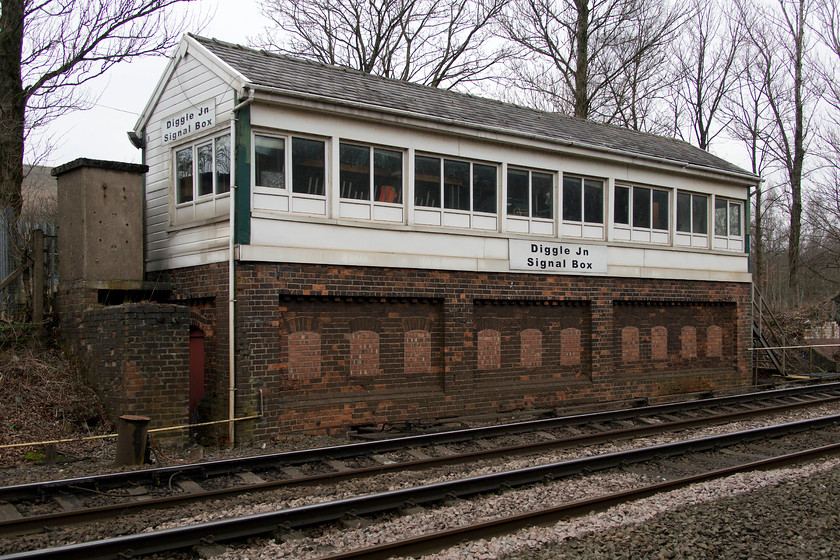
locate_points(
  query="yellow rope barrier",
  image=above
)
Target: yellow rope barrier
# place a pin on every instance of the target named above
(108, 436)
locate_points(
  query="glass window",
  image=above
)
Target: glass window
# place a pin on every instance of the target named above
(517, 192)
(692, 213)
(387, 176)
(355, 171)
(583, 200)
(456, 184)
(530, 193)
(621, 214)
(484, 188)
(205, 169)
(222, 164)
(659, 210)
(542, 195)
(648, 208)
(572, 199)
(427, 181)
(269, 162)
(641, 207)
(308, 166)
(727, 218)
(721, 217)
(593, 201)
(184, 174)
(734, 219)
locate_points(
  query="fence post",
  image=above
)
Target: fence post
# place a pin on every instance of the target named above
(38, 277)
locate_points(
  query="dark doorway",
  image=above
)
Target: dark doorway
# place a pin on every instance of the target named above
(196, 370)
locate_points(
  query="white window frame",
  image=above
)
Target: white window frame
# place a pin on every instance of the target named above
(283, 198)
(206, 206)
(453, 217)
(522, 223)
(641, 234)
(727, 240)
(692, 237)
(371, 208)
(582, 228)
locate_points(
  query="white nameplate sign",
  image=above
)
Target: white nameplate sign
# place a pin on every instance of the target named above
(567, 258)
(186, 123)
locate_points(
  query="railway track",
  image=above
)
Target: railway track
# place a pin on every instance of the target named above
(173, 485)
(678, 464)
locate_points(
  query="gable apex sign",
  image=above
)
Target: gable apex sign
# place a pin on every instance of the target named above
(188, 122)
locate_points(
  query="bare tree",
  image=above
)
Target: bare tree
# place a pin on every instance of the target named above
(705, 70)
(780, 34)
(575, 53)
(48, 48)
(440, 43)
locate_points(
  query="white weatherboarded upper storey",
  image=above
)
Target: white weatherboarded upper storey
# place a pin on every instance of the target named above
(474, 184)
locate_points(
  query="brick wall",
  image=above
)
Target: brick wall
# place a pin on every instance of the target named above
(134, 355)
(330, 347)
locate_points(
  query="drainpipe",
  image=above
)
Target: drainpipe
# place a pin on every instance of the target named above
(232, 271)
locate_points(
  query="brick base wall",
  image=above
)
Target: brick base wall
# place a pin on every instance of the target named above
(134, 355)
(329, 347)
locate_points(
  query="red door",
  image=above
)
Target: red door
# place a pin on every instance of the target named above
(196, 370)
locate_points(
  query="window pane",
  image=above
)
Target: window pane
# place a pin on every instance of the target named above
(720, 216)
(734, 218)
(572, 199)
(660, 209)
(355, 171)
(684, 212)
(387, 176)
(593, 201)
(222, 164)
(184, 174)
(270, 162)
(542, 191)
(641, 207)
(456, 184)
(517, 192)
(621, 213)
(427, 181)
(484, 188)
(307, 166)
(700, 210)
(205, 169)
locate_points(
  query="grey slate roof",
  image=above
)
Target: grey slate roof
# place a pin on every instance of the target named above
(302, 77)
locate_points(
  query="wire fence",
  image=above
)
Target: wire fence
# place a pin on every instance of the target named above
(17, 255)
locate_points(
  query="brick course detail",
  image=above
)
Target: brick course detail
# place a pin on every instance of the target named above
(324, 348)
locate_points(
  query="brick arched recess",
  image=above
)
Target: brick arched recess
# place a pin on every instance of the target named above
(417, 345)
(364, 346)
(630, 345)
(304, 348)
(659, 343)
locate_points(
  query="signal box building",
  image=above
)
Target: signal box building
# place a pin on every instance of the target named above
(364, 251)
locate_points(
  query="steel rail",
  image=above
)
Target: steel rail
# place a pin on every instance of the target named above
(434, 542)
(159, 476)
(29, 523)
(25, 524)
(305, 516)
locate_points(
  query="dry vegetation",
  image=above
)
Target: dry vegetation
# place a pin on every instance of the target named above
(43, 398)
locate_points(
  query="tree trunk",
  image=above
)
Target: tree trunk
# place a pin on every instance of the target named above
(798, 159)
(12, 104)
(582, 60)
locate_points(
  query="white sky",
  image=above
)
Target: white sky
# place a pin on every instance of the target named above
(100, 133)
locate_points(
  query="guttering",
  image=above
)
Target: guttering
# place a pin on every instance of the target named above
(407, 114)
(232, 270)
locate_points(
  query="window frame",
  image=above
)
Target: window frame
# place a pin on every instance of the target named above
(374, 191)
(289, 156)
(632, 230)
(449, 211)
(571, 209)
(216, 188)
(697, 234)
(728, 240)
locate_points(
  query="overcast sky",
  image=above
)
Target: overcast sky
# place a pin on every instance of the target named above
(100, 133)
